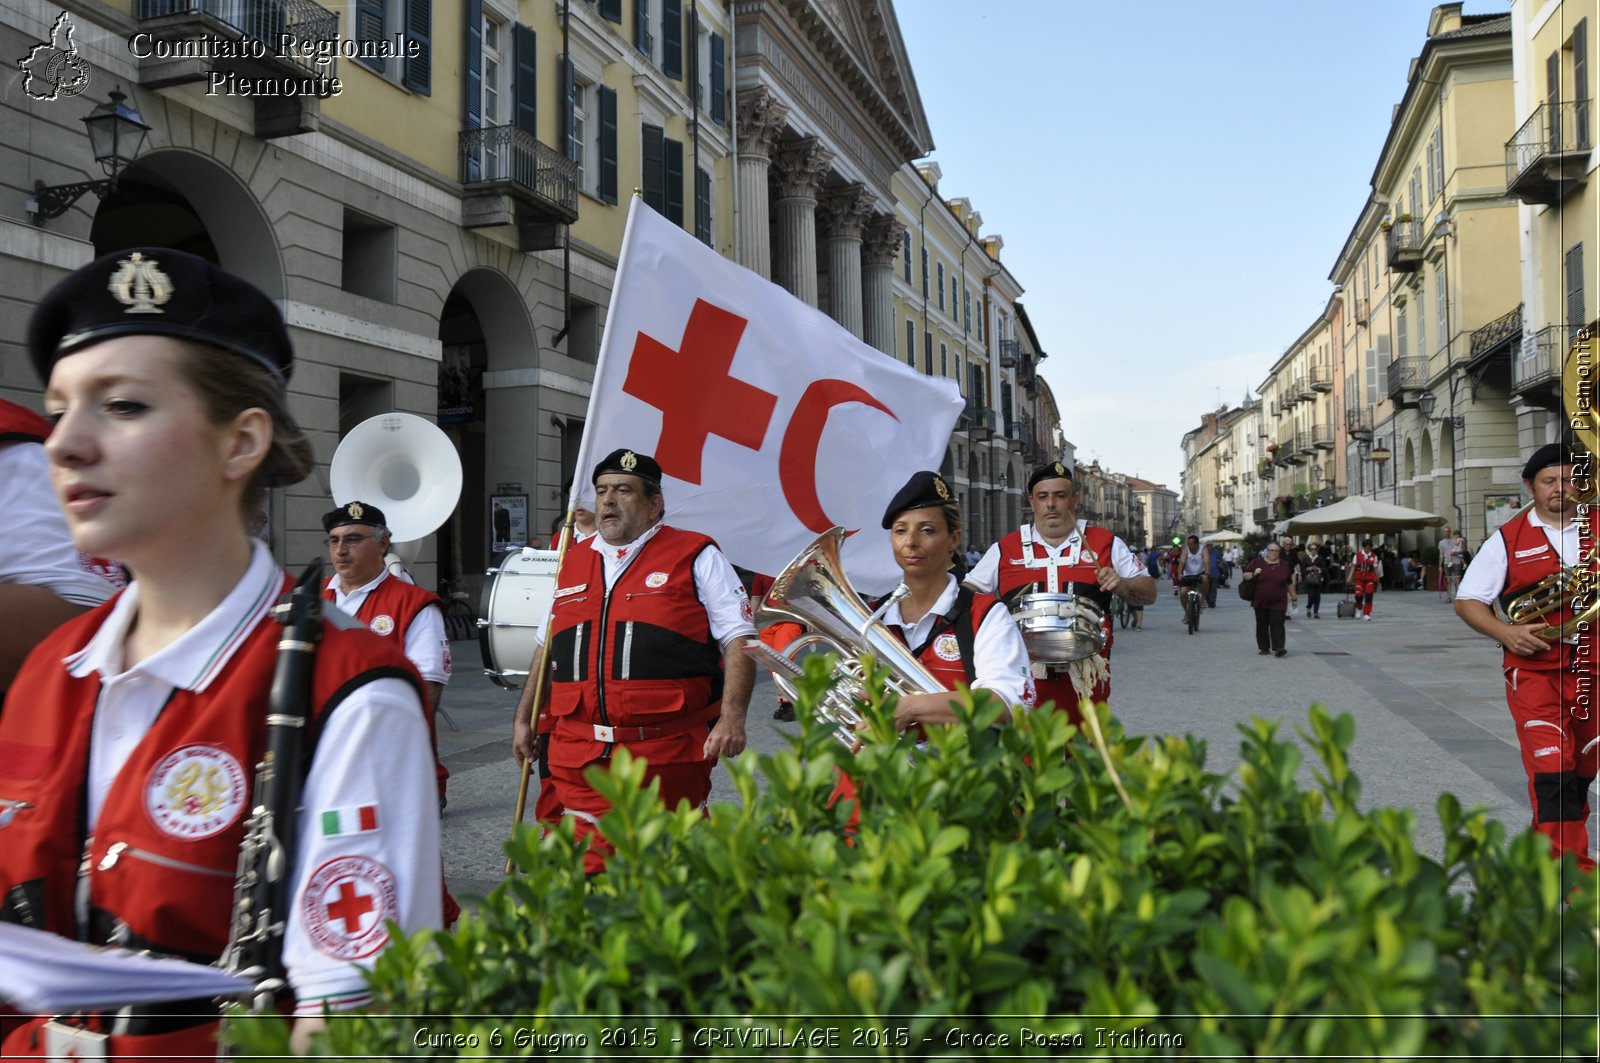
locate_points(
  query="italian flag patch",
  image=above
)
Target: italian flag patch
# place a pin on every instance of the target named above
(353, 820)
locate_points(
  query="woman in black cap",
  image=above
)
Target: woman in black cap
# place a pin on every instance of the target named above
(145, 718)
(958, 633)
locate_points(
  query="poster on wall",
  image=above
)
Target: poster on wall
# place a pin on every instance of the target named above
(1497, 509)
(455, 385)
(508, 523)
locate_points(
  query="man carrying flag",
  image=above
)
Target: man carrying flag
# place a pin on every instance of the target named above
(645, 636)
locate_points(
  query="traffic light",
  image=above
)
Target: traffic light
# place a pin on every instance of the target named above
(1177, 540)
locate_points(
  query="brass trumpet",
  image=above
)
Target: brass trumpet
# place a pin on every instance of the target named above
(1577, 588)
(813, 591)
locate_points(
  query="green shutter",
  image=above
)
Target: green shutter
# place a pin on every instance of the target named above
(525, 90)
(418, 73)
(652, 168)
(607, 103)
(672, 38)
(674, 181)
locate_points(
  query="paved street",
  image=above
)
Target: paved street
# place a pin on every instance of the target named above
(1425, 691)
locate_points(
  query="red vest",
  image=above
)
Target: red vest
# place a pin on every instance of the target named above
(1364, 572)
(1016, 579)
(942, 653)
(640, 656)
(390, 607)
(1539, 558)
(18, 424)
(166, 848)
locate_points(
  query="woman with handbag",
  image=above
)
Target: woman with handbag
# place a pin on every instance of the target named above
(1272, 592)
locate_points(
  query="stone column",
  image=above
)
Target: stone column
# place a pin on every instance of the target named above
(800, 166)
(760, 121)
(883, 240)
(845, 210)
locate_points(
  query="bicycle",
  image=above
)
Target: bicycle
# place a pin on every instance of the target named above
(1193, 602)
(460, 618)
(1121, 610)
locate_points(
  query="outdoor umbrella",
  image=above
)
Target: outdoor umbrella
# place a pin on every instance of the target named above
(1360, 514)
(1223, 536)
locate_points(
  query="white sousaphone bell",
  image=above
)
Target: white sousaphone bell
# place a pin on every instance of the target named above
(407, 467)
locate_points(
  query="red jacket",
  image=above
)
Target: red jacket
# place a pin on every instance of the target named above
(947, 651)
(1016, 578)
(640, 658)
(1530, 558)
(165, 851)
(1364, 572)
(390, 607)
(18, 424)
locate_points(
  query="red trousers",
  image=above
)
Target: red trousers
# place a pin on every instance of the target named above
(1061, 691)
(679, 782)
(1560, 753)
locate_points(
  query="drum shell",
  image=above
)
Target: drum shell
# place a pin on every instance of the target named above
(516, 607)
(1059, 628)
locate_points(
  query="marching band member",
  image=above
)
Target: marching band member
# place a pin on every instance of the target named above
(1058, 553)
(959, 634)
(44, 580)
(646, 635)
(1557, 729)
(125, 788)
(1364, 578)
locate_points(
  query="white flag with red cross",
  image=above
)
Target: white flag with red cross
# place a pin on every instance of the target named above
(771, 422)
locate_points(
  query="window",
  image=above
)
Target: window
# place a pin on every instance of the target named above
(1580, 82)
(911, 342)
(702, 206)
(1574, 270)
(941, 285)
(719, 79)
(927, 353)
(1441, 305)
(944, 359)
(1422, 325)
(606, 144)
(672, 38)
(643, 39)
(378, 21)
(579, 131)
(1438, 162)
(907, 262)
(1373, 368)
(924, 272)
(367, 257)
(1418, 208)
(1400, 333)
(661, 173)
(955, 299)
(611, 11)
(966, 310)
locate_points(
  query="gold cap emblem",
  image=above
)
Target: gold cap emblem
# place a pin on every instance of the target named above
(355, 510)
(630, 460)
(1060, 470)
(139, 285)
(941, 489)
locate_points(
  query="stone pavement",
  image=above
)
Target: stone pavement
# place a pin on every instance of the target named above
(1425, 691)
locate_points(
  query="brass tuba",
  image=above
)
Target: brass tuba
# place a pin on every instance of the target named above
(1576, 588)
(813, 591)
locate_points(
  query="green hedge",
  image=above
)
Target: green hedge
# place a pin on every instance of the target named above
(1006, 886)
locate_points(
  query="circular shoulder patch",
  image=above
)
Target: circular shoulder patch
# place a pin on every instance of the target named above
(195, 792)
(383, 624)
(946, 648)
(746, 609)
(655, 579)
(1088, 557)
(345, 904)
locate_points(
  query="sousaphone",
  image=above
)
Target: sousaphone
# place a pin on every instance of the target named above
(404, 465)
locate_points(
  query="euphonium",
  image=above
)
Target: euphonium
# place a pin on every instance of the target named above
(1577, 588)
(813, 591)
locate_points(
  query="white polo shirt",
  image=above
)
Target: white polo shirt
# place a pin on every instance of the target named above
(427, 646)
(999, 656)
(716, 584)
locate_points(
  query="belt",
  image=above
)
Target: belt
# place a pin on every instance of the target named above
(597, 732)
(143, 1020)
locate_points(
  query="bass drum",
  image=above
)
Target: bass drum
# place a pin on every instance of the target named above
(516, 607)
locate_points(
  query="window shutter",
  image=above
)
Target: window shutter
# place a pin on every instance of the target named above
(611, 11)
(702, 206)
(1552, 99)
(911, 343)
(652, 176)
(1580, 83)
(472, 94)
(672, 38)
(719, 80)
(674, 171)
(418, 72)
(606, 101)
(526, 88)
(1575, 316)
(370, 27)
(641, 26)
(569, 102)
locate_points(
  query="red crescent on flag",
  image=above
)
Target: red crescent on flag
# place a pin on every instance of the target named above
(797, 458)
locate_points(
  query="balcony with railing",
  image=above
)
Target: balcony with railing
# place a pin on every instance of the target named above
(1321, 436)
(1498, 338)
(1303, 445)
(1361, 310)
(1010, 351)
(1406, 379)
(1403, 245)
(1536, 369)
(1358, 422)
(512, 179)
(981, 421)
(1549, 155)
(1262, 515)
(261, 27)
(1303, 391)
(1320, 377)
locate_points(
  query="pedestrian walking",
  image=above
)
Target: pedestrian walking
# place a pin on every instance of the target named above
(1313, 575)
(1364, 578)
(1274, 593)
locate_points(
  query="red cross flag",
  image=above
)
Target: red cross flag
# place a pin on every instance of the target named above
(772, 423)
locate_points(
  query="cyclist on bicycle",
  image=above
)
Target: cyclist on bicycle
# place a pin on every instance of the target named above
(1194, 566)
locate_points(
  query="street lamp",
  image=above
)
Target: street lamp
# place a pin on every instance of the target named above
(116, 134)
(1425, 406)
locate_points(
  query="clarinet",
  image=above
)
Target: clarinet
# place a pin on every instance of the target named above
(266, 856)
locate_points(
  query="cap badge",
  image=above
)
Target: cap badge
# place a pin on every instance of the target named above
(941, 489)
(1059, 470)
(139, 285)
(629, 460)
(355, 510)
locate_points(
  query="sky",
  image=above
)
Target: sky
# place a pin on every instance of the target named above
(1173, 182)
